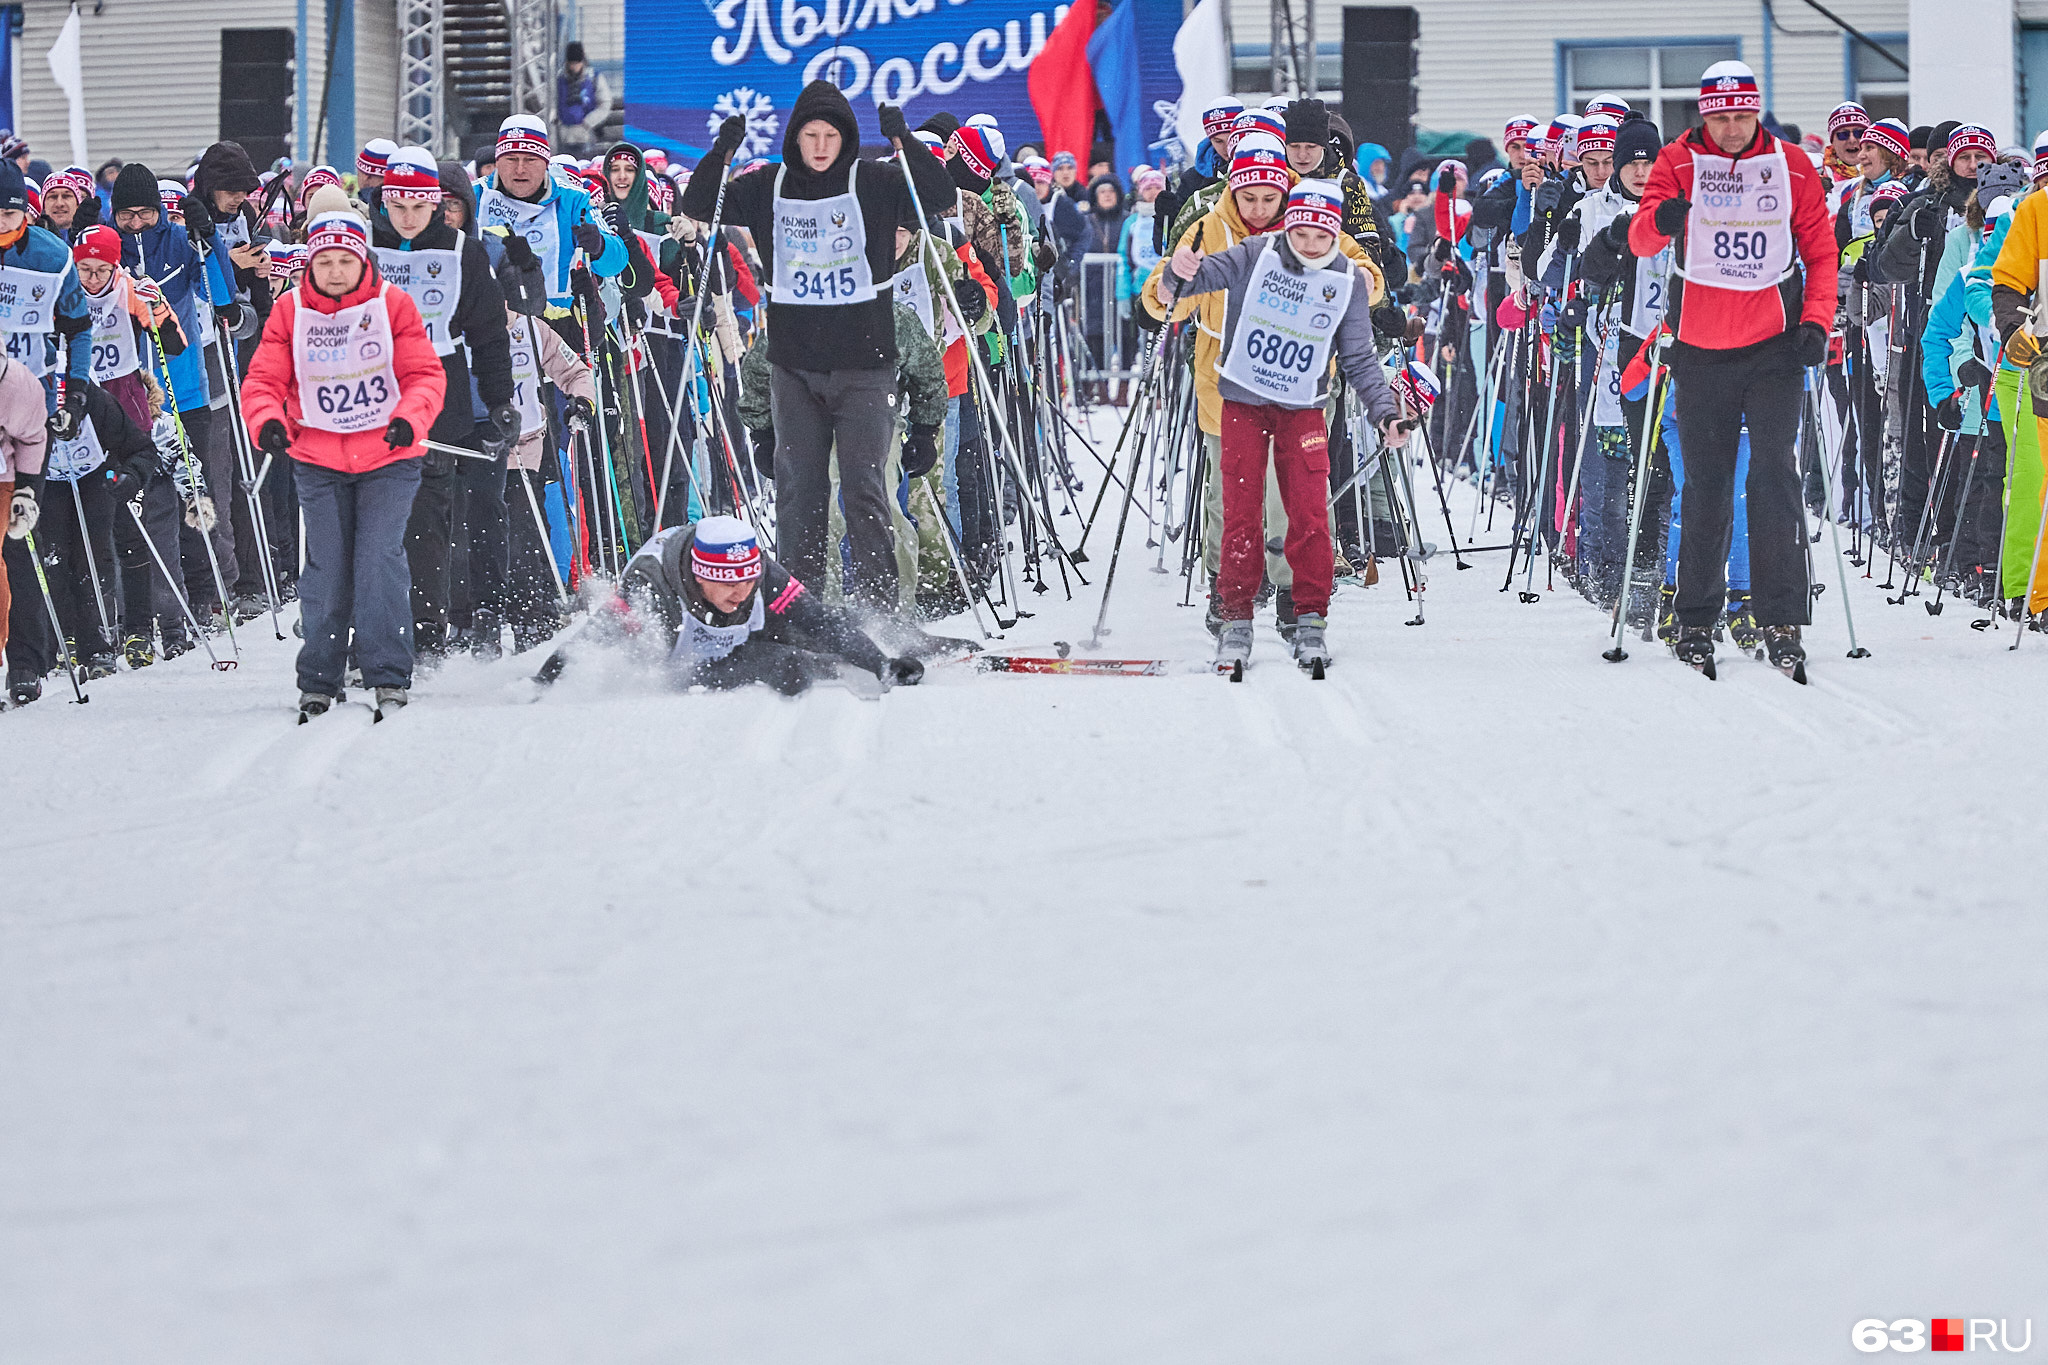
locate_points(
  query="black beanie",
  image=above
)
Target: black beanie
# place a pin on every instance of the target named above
(1308, 121)
(1937, 137)
(1917, 139)
(1636, 140)
(1102, 154)
(135, 188)
(13, 186)
(941, 125)
(573, 53)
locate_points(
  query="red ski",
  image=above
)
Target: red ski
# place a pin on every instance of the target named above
(1121, 668)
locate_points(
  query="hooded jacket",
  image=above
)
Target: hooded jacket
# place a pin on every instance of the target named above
(272, 388)
(165, 253)
(633, 209)
(68, 345)
(226, 166)
(571, 206)
(855, 336)
(478, 325)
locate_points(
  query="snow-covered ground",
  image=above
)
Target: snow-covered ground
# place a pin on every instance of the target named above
(1487, 1002)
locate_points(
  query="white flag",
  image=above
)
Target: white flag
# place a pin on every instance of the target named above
(67, 68)
(1203, 59)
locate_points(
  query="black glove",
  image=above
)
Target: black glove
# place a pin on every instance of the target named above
(274, 438)
(1972, 374)
(1046, 258)
(790, 673)
(1670, 215)
(198, 222)
(505, 418)
(1572, 317)
(894, 127)
(730, 134)
(903, 672)
(1949, 412)
(229, 315)
(88, 215)
(519, 251)
(130, 479)
(581, 409)
(1926, 222)
(65, 421)
(1390, 322)
(1548, 195)
(973, 302)
(437, 464)
(1860, 272)
(398, 434)
(763, 442)
(590, 237)
(1568, 233)
(920, 450)
(1810, 344)
(1616, 232)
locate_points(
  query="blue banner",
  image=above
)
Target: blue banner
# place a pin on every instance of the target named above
(690, 63)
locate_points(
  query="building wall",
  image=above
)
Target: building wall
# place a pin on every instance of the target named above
(1484, 61)
(376, 72)
(152, 75)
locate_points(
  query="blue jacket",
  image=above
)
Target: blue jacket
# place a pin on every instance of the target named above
(166, 255)
(1977, 279)
(572, 206)
(42, 250)
(1947, 323)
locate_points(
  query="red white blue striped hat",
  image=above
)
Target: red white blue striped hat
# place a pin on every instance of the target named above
(337, 232)
(375, 156)
(523, 133)
(724, 550)
(1729, 88)
(1316, 204)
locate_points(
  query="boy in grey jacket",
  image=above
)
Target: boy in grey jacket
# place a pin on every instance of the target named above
(1293, 304)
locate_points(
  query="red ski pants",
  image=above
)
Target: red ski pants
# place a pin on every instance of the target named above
(1300, 444)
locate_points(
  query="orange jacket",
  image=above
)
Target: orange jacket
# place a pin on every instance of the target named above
(272, 388)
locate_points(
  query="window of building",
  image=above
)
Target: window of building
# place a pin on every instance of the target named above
(1877, 84)
(1658, 77)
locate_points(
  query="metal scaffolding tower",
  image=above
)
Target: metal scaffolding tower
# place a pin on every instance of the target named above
(534, 60)
(422, 82)
(1294, 49)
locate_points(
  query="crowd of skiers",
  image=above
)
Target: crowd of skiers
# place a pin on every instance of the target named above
(440, 404)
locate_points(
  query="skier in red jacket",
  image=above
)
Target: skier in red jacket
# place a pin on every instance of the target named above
(1747, 213)
(346, 384)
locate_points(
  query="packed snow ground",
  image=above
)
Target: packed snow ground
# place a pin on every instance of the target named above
(1487, 1002)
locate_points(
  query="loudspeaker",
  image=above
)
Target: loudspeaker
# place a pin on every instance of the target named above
(256, 93)
(1380, 67)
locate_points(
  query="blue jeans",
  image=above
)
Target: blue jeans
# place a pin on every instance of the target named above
(356, 575)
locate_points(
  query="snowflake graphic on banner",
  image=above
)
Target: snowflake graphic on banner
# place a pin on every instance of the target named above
(759, 112)
(1167, 148)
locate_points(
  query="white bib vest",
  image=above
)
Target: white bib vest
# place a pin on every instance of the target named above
(1738, 234)
(535, 222)
(346, 379)
(698, 643)
(1653, 287)
(1286, 329)
(434, 279)
(72, 460)
(28, 314)
(821, 249)
(114, 352)
(526, 378)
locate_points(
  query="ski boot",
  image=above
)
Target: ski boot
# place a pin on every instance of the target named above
(390, 701)
(487, 635)
(247, 608)
(1284, 616)
(1234, 649)
(1667, 614)
(1311, 651)
(313, 704)
(137, 650)
(175, 643)
(1695, 649)
(1742, 627)
(101, 665)
(1786, 654)
(1213, 617)
(23, 687)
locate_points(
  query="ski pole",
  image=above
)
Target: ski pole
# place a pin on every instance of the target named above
(92, 566)
(1652, 414)
(50, 605)
(547, 547)
(198, 479)
(2033, 571)
(245, 459)
(178, 591)
(1856, 651)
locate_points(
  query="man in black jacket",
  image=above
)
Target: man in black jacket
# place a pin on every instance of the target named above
(825, 223)
(449, 276)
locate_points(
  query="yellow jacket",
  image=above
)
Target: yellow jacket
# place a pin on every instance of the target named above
(1218, 230)
(2026, 246)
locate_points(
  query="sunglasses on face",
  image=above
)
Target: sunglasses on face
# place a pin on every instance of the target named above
(1848, 134)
